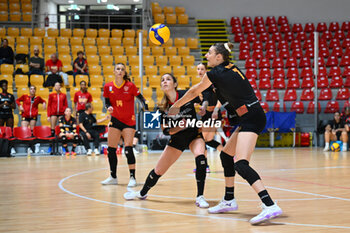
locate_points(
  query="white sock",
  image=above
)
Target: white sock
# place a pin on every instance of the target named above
(345, 146)
(327, 145)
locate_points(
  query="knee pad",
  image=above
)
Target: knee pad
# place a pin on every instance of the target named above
(228, 164)
(213, 143)
(130, 155)
(246, 171)
(201, 166)
(137, 134)
(76, 138)
(64, 138)
(112, 152)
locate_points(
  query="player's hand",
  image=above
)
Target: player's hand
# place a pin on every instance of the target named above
(110, 109)
(202, 110)
(215, 115)
(88, 136)
(173, 111)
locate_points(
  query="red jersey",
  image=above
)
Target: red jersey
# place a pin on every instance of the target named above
(122, 100)
(80, 99)
(53, 65)
(57, 104)
(30, 105)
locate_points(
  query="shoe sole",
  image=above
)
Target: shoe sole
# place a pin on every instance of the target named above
(223, 210)
(275, 215)
(197, 204)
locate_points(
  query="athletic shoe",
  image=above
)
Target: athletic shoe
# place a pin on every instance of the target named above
(132, 195)
(110, 181)
(89, 152)
(67, 153)
(13, 151)
(345, 148)
(37, 148)
(132, 182)
(29, 151)
(224, 206)
(268, 212)
(73, 153)
(201, 202)
(326, 149)
(96, 151)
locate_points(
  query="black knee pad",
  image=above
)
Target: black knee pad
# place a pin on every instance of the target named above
(228, 164)
(112, 152)
(201, 166)
(246, 171)
(213, 143)
(64, 139)
(130, 155)
(76, 138)
(137, 134)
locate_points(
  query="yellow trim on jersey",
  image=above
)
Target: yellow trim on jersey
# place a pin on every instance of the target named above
(117, 85)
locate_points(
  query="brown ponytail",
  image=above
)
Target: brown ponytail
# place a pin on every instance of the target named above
(224, 49)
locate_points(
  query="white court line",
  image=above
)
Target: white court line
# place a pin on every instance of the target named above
(60, 184)
(307, 168)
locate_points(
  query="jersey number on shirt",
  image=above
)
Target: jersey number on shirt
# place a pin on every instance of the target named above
(237, 71)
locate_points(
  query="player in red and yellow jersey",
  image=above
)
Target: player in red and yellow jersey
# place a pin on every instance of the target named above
(119, 99)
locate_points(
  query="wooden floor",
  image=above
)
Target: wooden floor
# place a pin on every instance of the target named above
(63, 194)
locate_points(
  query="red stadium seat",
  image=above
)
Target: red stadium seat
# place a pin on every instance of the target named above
(258, 20)
(270, 54)
(311, 107)
(270, 20)
(284, 53)
(247, 20)
(265, 106)
(288, 36)
(339, 35)
(309, 52)
(345, 26)
(258, 54)
(282, 20)
(265, 73)
(305, 62)
(336, 82)
(290, 95)
(332, 61)
(332, 107)
(295, 44)
(337, 52)
(248, 29)
(334, 26)
(345, 60)
(308, 44)
(297, 27)
(323, 52)
(257, 45)
(292, 73)
(298, 107)
(264, 84)
(309, 27)
(251, 37)
(250, 63)
(23, 134)
(306, 72)
(291, 62)
(272, 28)
(272, 95)
(237, 29)
(244, 54)
(278, 72)
(285, 28)
(343, 94)
(334, 43)
(297, 53)
(321, 62)
(346, 104)
(347, 82)
(334, 71)
(322, 82)
(264, 36)
(293, 83)
(322, 71)
(270, 44)
(258, 94)
(239, 37)
(307, 82)
(327, 35)
(283, 44)
(264, 63)
(322, 43)
(276, 36)
(277, 63)
(307, 94)
(346, 72)
(301, 36)
(276, 107)
(260, 28)
(253, 83)
(346, 43)
(279, 83)
(244, 45)
(251, 73)
(325, 94)
(321, 27)
(235, 20)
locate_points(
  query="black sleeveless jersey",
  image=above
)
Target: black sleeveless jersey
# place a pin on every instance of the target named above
(231, 86)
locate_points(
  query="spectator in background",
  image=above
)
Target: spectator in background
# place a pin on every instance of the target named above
(57, 104)
(346, 114)
(81, 98)
(7, 103)
(87, 129)
(68, 131)
(54, 68)
(80, 65)
(335, 131)
(36, 64)
(29, 107)
(6, 53)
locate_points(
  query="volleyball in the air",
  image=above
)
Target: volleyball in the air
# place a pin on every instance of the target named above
(335, 147)
(159, 34)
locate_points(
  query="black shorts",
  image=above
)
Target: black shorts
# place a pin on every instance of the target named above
(254, 120)
(209, 114)
(29, 119)
(338, 134)
(183, 139)
(6, 116)
(115, 123)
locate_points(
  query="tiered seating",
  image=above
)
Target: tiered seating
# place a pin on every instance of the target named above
(16, 11)
(168, 15)
(288, 49)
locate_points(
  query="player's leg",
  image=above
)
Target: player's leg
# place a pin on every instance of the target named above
(128, 135)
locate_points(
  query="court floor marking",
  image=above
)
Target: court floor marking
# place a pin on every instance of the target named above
(60, 184)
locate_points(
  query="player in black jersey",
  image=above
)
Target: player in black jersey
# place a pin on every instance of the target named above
(182, 137)
(68, 130)
(7, 104)
(236, 94)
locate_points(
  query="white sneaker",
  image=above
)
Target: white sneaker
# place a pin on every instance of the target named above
(326, 149)
(29, 151)
(224, 206)
(132, 195)
(13, 151)
(37, 148)
(268, 212)
(96, 151)
(89, 152)
(110, 181)
(132, 182)
(201, 202)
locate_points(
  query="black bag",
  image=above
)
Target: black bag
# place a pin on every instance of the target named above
(21, 58)
(52, 79)
(4, 148)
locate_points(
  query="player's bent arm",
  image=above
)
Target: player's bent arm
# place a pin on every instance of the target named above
(143, 101)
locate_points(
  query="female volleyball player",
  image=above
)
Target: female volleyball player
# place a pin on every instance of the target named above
(119, 99)
(181, 139)
(235, 92)
(68, 130)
